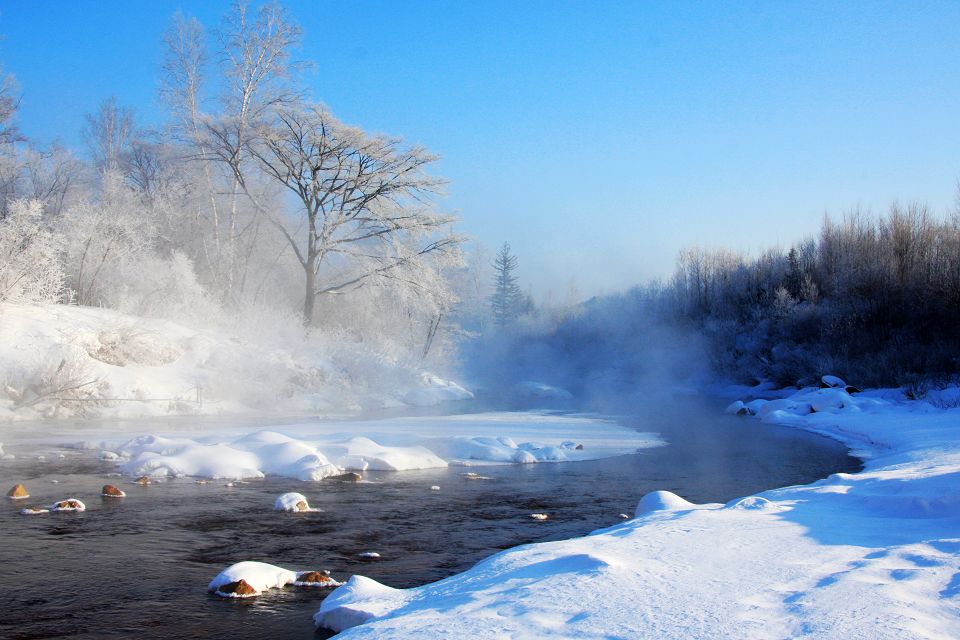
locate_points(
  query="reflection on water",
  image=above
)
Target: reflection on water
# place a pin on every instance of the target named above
(140, 566)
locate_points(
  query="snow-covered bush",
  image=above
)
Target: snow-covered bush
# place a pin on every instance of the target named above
(61, 380)
(160, 287)
(127, 344)
(29, 267)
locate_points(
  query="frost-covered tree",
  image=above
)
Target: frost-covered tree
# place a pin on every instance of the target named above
(363, 201)
(109, 133)
(9, 103)
(30, 269)
(506, 302)
(103, 239)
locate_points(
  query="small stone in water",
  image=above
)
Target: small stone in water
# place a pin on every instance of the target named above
(368, 555)
(70, 504)
(539, 516)
(19, 491)
(142, 481)
(33, 511)
(315, 579)
(470, 475)
(350, 476)
(624, 516)
(239, 588)
(110, 491)
(435, 488)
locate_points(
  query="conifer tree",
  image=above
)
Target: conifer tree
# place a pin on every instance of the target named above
(507, 298)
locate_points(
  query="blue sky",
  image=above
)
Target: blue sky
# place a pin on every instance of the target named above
(598, 138)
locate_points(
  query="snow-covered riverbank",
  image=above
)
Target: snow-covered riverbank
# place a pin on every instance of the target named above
(63, 362)
(319, 449)
(874, 554)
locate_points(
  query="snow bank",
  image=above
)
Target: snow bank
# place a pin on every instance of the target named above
(874, 554)
(61, 361)
(434, 390)
(359, 600)
(313, 451)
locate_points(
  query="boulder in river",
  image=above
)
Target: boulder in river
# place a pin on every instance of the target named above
(18, 492)
(237, 589)
(142, 481)
(293, 502)
(70, 504)
(315, 579)
(110, 491)
(34, 511)
(350, 476)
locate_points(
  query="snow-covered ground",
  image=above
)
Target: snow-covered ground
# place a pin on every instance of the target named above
(63, 361)
(868, 555)
(320, 449)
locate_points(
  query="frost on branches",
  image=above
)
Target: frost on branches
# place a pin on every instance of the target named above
(29, 268)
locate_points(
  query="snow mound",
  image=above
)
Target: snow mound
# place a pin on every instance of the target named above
(833, 382)
(738, 408)
(359, 600)
(259, 575)
(325, 449)
(293, 502)
(754, 503)
(434, 390)
(362, 453)
(661, 501)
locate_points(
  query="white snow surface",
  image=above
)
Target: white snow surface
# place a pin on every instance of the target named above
(313, 451)
(259, 575)
(289, 502)
(129, 366)
(874, 554)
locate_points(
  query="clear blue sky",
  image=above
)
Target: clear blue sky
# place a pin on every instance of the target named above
(596, 137)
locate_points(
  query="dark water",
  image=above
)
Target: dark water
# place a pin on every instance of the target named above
(139, 567)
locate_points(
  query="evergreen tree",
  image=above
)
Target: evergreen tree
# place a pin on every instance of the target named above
(507, 298)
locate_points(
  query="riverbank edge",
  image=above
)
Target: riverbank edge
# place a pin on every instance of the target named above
(877, 550)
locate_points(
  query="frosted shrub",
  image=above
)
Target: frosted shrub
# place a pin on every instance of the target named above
(126, 344)
(162, 288)
(29, 268)
(61, 382)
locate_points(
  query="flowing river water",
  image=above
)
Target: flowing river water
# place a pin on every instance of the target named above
(138, 567)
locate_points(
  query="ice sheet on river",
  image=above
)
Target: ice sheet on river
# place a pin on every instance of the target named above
(313, 451)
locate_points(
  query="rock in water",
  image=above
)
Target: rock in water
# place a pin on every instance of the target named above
(18, 492)
(294, 502)
(315, 579)
(33, 511)
(110, 491)
(237, 589)
(70, 504)
(142, 481)
(350, 476)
